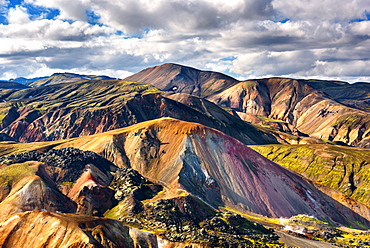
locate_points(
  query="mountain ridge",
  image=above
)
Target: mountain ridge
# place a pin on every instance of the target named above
(120, 163)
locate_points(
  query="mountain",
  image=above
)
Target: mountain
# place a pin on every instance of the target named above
(181, 159)
(295, 103)
(11, 85)
(183, 79)
(166, 176)
(356, 95)
(58, 78)
(342, 168)
(75, 109)
(291, 109)
(22, 80)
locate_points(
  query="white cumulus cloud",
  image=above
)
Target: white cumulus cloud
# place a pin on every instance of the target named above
(247, 38)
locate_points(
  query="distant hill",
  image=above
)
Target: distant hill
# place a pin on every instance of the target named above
(12, 85)
(356, 95)
(58, 78)
(23, 80)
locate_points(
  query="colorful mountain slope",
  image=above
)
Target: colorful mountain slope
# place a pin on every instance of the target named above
(189, 171)
(296, 103)
(344, 168)
(296, 107)
(183, 79)
(60, 78)
(216, 168)
(76, 109)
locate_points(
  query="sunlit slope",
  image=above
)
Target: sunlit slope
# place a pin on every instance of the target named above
(296, 104)
(217, 168)
(344, 168)
(183, 79)
(93, 106)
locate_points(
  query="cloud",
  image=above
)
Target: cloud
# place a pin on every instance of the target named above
(53, 30)
(323, 10)
(69, 9)
(307, 38)
(273, 63)
(133, 16)
(18, 15)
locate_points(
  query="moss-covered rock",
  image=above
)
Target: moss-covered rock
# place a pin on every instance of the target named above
(346, 169)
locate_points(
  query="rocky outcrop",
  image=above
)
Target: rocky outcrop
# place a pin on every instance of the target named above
(83, 176)
(128, 182)
(65, 165)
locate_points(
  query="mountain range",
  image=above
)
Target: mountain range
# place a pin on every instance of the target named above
(173, 156)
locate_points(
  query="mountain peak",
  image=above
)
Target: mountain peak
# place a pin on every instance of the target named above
(184, 79)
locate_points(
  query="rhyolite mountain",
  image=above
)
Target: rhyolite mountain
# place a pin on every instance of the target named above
(160, 159)
(323, 110)
(59, 78)
(183, 79)
(179, 181)
(11, 85)
(75, 109)
(356, 95)
(343, 168)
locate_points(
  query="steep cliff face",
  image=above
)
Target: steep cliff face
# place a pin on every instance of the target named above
(182, 79)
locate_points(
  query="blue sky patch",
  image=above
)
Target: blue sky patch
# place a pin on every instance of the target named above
(230, 58)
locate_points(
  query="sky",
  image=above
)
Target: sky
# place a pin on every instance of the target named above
(321, 39)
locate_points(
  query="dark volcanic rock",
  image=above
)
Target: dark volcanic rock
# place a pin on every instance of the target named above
(128, 181)
(66, 164)
(63, 165)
